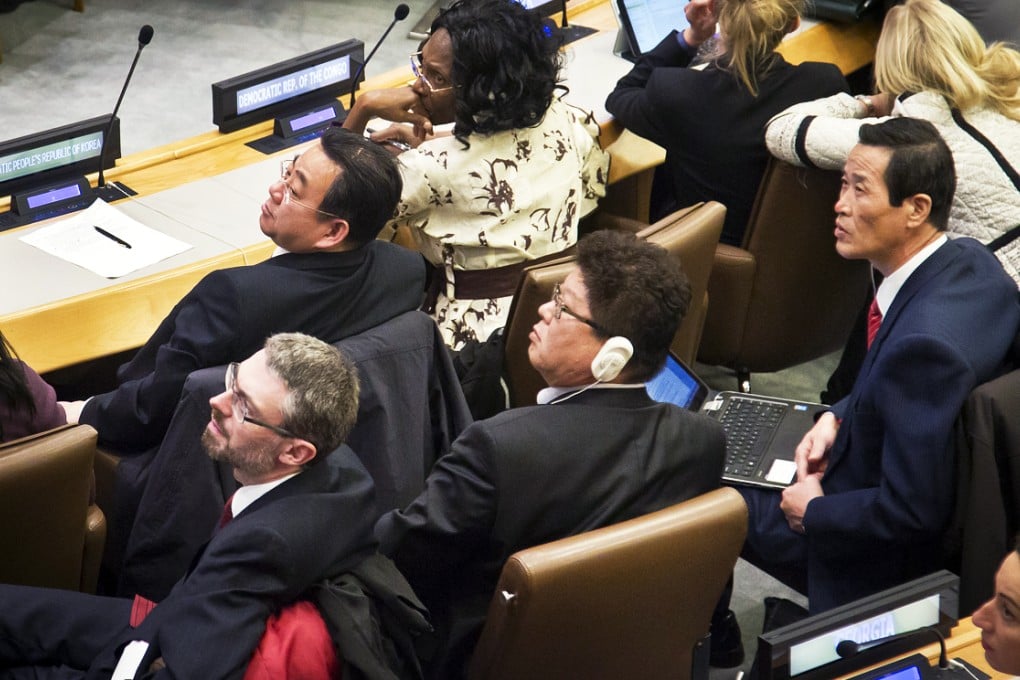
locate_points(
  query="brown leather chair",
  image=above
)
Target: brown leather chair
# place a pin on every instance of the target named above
(52, 532)
(632, 600)
(690, 235)
(786, 296)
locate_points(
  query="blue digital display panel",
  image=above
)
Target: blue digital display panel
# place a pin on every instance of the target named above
(313, 118)
(54, 195)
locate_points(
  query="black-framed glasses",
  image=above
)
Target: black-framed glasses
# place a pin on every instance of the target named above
(239, 406)
(286, 169)
(557, 301)
(419, 73)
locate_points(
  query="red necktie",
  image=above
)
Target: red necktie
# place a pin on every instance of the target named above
(228, 514)
(874, 321)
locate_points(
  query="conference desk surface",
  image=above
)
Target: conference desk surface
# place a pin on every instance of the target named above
(964, 643)
(57, 315)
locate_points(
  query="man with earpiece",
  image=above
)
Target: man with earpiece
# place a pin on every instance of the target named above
(595, 451)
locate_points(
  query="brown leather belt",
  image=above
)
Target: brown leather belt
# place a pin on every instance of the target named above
(483, 284)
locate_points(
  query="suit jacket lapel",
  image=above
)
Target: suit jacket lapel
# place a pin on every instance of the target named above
(915, 283)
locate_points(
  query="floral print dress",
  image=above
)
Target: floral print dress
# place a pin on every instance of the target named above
(510, 197)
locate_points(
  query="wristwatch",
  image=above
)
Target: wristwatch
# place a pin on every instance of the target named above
(869, 104)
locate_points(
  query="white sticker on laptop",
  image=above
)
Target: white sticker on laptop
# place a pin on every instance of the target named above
(782, 471)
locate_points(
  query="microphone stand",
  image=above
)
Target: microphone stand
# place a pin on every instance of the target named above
(116, 190)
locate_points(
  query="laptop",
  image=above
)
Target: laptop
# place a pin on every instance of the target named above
(761, 432)
(645, 23)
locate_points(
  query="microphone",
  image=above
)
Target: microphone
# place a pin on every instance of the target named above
(848, 648)
(399, 14)
(144, 38)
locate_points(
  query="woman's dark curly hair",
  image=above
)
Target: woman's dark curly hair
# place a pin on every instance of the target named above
(506, 65)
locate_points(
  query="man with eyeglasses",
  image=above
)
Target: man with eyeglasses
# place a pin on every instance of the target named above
(596, 451)
(303, 514)
(330, 278)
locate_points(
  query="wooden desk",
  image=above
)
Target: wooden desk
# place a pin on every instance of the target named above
(121, 315)
(964, 643)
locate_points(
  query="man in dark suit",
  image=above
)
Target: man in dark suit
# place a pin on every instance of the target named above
(302, 514)
(596, 451)
(333, 280)
(874, 488)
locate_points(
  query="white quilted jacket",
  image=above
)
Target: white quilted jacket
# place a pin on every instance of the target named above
(986, 204)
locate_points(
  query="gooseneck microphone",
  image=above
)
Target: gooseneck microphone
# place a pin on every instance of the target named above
(848, 648)
(144, 38)
(399, 14)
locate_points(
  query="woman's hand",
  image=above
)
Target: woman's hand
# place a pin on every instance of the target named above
(394, 104)
(702, 18)
(397, 138)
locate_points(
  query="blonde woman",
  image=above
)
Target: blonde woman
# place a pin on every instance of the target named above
(931, 63)
(710, 118)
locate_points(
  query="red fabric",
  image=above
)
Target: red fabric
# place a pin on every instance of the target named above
(140, 608)
(874, 321)
(228, 513)
(295, 646)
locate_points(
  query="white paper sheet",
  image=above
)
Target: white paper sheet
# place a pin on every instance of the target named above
(77, 239)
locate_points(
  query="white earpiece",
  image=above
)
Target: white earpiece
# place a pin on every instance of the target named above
(611, 359)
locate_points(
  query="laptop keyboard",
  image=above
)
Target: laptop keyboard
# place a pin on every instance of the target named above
(745, 421)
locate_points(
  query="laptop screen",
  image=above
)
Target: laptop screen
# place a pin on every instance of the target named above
(647, 22)
(676, 384)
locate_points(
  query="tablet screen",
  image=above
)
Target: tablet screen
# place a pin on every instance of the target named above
(647, 22)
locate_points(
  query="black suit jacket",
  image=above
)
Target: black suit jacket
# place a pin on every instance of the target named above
(533, 475)
(409, 411)
(228, 315)
(712, 127)
(313, 526)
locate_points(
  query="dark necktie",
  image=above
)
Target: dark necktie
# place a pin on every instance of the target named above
(228, 514)
(874, 321)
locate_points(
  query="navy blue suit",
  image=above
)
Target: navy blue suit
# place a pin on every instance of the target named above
(313, 526)
(229, 314)
(889, 487)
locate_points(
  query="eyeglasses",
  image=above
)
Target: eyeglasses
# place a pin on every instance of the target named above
(557, 300)
(419, 73)
(286, 169)
(239, 406)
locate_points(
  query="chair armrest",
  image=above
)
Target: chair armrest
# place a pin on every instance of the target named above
(92, 555)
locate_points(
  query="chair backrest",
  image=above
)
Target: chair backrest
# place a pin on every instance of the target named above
(987, 514)
(631, 600)
(51, 534)
(787, 296)
(689, 234)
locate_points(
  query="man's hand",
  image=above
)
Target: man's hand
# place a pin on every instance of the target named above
(702, 18)
(72, 409)
(812, 454)
(796, 498)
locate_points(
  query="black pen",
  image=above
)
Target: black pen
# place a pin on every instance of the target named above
(118, 241)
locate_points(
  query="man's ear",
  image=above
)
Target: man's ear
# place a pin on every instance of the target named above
(336, 233)
(793, 25)
(918, 209)
(298, 453)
